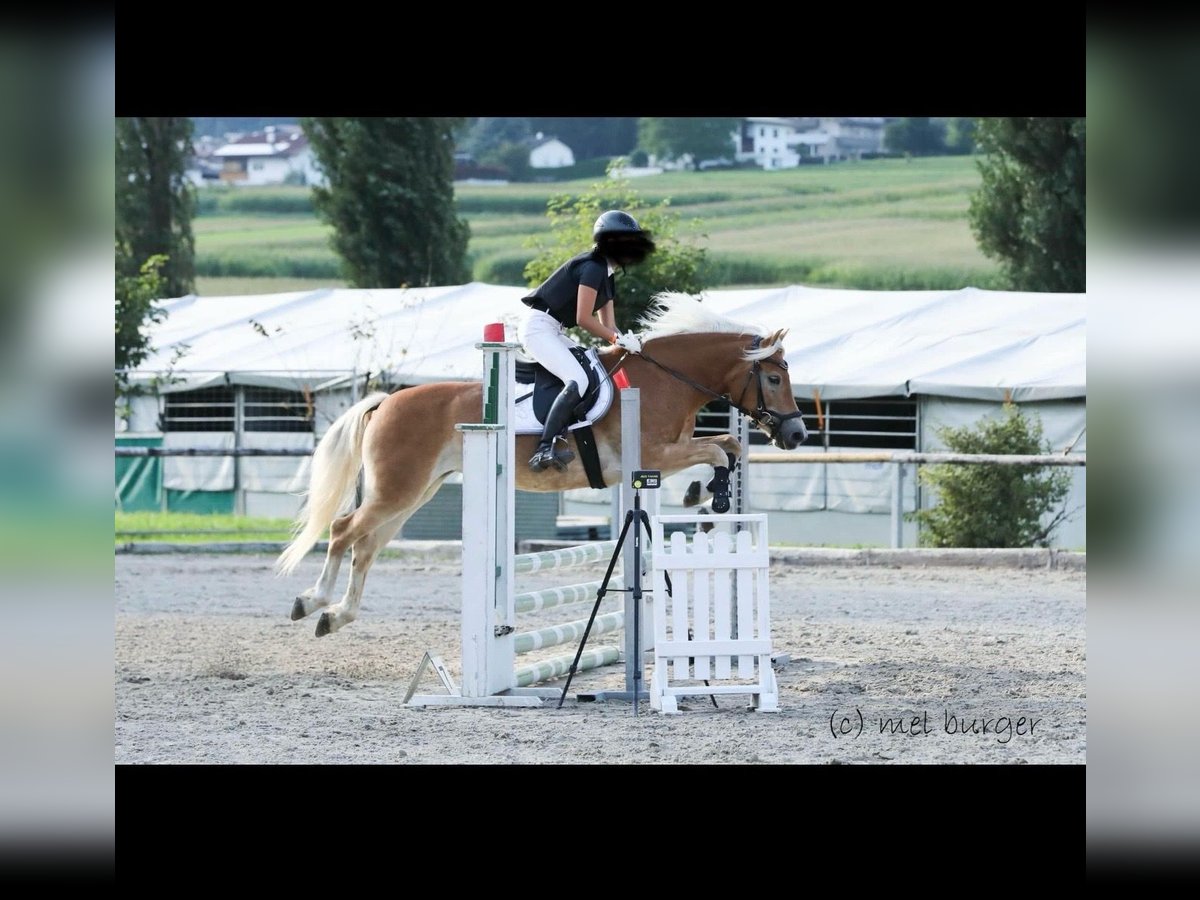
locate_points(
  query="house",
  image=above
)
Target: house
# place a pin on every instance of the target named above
(275, 155)
(202, 169)
(784, 142)
(550, 153)
(768, 142)
(849, 137)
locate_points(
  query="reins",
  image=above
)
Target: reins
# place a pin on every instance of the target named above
(767, 419)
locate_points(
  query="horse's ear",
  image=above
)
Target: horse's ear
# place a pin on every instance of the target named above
(777, 337)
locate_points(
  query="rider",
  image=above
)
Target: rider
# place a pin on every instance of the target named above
(580, 292)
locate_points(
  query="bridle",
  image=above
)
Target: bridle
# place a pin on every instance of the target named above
(768, 420)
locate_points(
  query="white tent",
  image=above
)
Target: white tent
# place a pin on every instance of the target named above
(959, 354)
(969, 343)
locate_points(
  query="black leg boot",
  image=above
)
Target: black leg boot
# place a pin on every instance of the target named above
(557, 421)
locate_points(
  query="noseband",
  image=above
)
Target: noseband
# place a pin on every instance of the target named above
(768, 420)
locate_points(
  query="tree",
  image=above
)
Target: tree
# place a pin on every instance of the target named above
(993, 506)
(675, 137)
(487, 135)
(918, 136)
(674, 266)
(512, 158)
(1029, 212)
(136, 297)
(960, 136)
(154, 201)
(390, 199)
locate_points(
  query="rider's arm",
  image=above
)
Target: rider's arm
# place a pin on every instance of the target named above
(608, 316)
(594, 323)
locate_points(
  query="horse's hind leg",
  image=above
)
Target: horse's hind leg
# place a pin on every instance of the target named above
(321, 593)
(365, 549)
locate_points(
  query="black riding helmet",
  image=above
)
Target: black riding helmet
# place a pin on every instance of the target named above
(619, 236)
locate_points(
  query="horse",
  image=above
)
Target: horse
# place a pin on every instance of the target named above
(406, 445)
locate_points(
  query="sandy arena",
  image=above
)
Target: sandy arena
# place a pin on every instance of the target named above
(887, 665)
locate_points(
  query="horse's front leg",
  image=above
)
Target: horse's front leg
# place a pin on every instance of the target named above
(719, 451)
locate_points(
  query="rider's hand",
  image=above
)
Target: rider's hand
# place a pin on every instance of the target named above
(629, 341)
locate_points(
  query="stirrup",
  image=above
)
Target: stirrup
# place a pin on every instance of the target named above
(564, 456)
(546, 456)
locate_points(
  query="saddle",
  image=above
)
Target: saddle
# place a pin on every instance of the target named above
(532, 406)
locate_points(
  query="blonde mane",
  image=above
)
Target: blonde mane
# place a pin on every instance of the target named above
(673, 313)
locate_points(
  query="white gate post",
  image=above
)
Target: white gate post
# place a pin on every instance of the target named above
(489, 530)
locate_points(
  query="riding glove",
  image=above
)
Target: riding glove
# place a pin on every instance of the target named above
(629, 341)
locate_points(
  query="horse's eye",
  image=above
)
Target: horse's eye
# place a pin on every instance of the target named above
(775, 380)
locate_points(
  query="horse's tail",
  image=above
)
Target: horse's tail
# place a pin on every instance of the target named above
(335, 466)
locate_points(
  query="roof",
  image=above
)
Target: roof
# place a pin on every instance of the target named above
(772, 120)
(968, 343)
(283, 142)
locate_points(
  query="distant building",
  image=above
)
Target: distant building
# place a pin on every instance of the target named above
(768, 142)
(275, 155)
(784, 142)
(202, 168)
(850, 138)
(550, 153)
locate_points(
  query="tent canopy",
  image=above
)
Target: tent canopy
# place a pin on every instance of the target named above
(967, 343)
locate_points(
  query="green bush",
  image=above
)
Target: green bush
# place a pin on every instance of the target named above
(285, 201)
(886, 278)
(725, 269)
(280, 201)
(587, 168)
(208, 202)
(501, 204)
(267, 264)
(993, 506)
(503, 268)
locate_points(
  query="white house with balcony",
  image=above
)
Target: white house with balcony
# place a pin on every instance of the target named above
(844, 137)
(783, 142)
(269, 156)
(769, 142)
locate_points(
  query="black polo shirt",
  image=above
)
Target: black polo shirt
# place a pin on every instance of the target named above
(559, 294)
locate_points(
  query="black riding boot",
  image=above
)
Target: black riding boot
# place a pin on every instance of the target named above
(557, 421)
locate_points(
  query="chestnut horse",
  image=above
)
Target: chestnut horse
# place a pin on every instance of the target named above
(406, 443)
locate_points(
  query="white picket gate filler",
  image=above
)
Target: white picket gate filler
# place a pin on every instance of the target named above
(490, 641)
(716, 623)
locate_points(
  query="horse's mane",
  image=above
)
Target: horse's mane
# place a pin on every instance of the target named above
(673, 313)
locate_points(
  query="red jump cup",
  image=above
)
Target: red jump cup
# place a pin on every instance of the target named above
(494, 333)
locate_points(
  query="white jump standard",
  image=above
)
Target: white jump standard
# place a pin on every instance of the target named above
(490, 641)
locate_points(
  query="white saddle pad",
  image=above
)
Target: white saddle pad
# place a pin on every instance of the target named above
(527, 423)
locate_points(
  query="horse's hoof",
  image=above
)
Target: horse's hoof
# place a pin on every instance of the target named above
(298, 609)
(323, 625)
(721, 504)
(692, 497)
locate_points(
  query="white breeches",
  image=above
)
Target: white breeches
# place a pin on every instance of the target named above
(546, 340)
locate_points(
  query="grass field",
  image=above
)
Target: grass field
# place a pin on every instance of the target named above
(188, 528)
(880, 224)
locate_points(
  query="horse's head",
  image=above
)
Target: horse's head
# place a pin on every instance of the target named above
(766, 394)
(740, 362)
